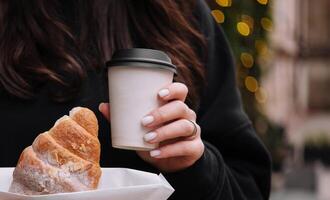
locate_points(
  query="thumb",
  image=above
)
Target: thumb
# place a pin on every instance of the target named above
(104, 108)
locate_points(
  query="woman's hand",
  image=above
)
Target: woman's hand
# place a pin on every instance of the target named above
(174, 128)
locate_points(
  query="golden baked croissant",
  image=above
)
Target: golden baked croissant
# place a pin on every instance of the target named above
(63, 159)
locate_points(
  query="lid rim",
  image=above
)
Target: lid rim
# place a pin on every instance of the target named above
(140, 60)
(143, 65)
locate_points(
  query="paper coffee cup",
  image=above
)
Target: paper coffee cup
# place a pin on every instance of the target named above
(135, 78)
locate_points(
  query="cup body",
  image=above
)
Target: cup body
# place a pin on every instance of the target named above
(133, 93)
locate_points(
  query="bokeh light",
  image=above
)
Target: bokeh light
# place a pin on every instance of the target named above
(248, 20)
(251, 84)
(247, 60)
(263, 2)
(261, 46)
(218, 16)
(267, 24)
(243, 28)
(224, 3)
(261, 95)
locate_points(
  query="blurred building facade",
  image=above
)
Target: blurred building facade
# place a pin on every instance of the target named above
(298, 82)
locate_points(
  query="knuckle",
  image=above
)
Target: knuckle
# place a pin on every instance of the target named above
(186, 149)
(180, 104)
(199, 130)
(201, 147)
(182, 107)
(186, 110)
(183, 88)
(192, 113)
(198, 147)
(186, 126)
(195, 145)
(201, 144)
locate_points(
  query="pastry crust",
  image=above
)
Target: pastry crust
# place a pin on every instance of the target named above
(63, 159)
(83, 117)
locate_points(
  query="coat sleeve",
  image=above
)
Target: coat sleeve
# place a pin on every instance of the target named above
(235, 164)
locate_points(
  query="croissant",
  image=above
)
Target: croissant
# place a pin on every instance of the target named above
(64, 159)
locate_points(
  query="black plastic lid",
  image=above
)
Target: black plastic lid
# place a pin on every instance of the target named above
(137, 57)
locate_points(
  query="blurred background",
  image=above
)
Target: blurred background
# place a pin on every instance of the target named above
(282, 51)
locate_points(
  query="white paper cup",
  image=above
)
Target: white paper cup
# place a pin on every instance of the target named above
(135, 78)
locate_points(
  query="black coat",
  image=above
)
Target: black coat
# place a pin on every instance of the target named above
(235, 164)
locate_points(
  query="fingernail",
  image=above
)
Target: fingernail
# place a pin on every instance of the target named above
(163, 92)
(150, 136)
(155, 153)
(100, 106)
(147, 120)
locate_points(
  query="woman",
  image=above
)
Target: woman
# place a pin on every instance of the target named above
(52, 56)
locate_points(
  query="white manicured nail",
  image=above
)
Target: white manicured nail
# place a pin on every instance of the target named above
(163, 92)
(155, 153)
(150, 136)
(147, 120)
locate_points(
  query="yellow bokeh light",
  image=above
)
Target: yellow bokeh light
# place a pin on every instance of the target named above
(243, 28)
(267, 24)
(261, 95)
(251, 84)
(263, 2)
(224, 3)
(247, 60)
(218, 16)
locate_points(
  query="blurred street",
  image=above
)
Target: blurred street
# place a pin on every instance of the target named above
(282, 50)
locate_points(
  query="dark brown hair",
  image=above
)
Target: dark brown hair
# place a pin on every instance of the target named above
(43, 42)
